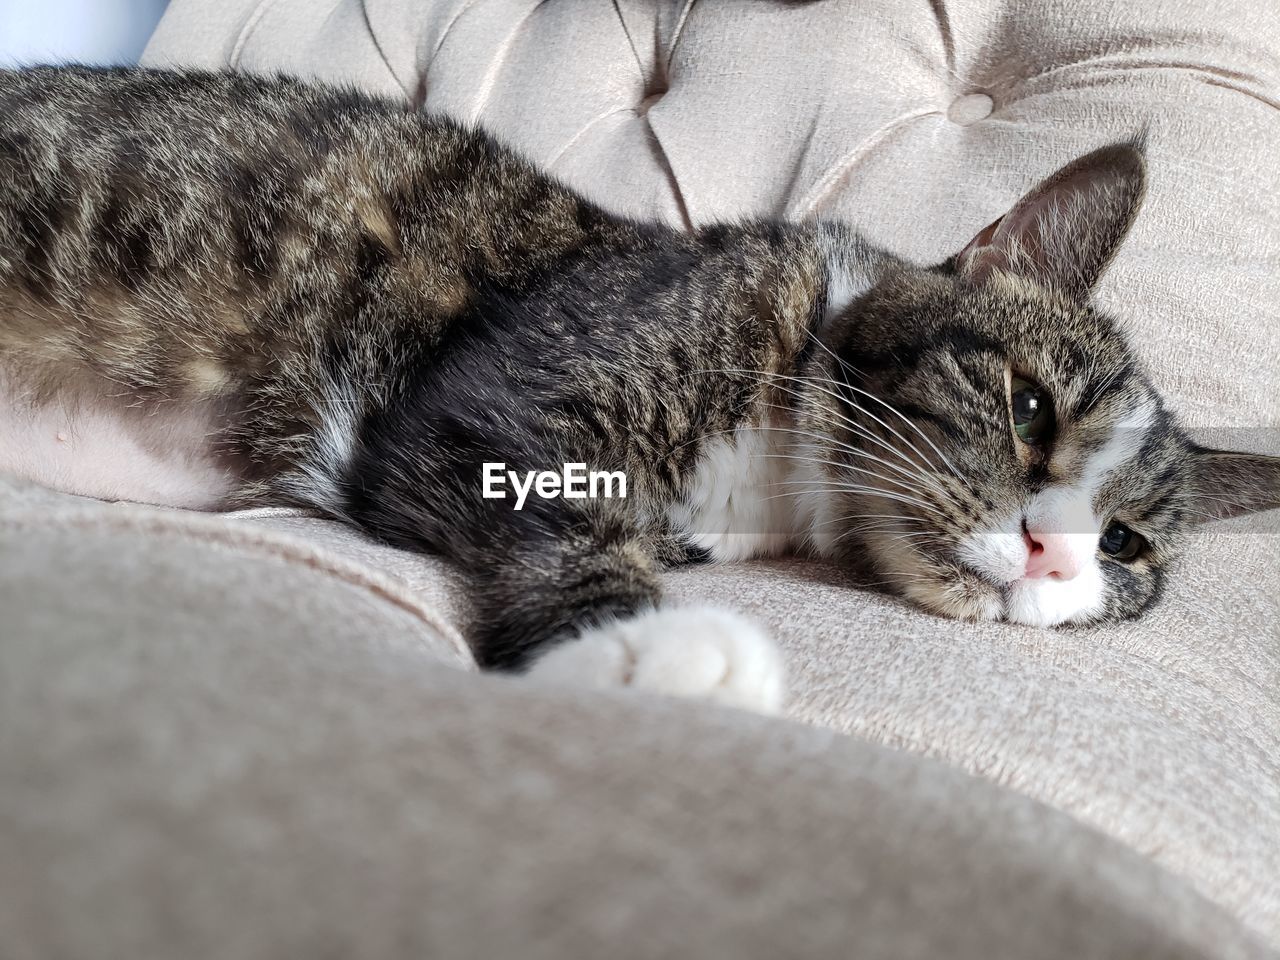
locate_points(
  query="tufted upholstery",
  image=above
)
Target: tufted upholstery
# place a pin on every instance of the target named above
(919, 121)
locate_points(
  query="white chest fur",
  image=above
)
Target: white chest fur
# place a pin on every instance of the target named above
(740, 500)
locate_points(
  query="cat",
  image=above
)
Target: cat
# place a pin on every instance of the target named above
(218, 290)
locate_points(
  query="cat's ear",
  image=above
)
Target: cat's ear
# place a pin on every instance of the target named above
(1228, 484)
(1066, 230)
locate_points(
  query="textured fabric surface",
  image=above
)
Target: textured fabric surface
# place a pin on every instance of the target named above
(213, 748)
(243, 565)
(1164, 733)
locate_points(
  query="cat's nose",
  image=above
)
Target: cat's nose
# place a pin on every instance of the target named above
(1049, 555)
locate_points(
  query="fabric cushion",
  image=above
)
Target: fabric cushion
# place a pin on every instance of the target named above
(212, 745)
(1164, 733)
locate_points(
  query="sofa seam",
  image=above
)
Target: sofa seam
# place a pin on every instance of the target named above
(501, 54)
(382, 54)
(250, 26)
(838, 171)
(278, 545)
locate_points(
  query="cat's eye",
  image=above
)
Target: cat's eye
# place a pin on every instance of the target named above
(1120, 542)
(1032, 411)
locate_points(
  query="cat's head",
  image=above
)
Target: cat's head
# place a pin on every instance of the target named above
(987, 438)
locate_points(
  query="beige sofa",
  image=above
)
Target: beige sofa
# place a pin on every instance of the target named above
(259, 735)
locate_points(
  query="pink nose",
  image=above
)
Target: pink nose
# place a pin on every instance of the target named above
(1049, 555)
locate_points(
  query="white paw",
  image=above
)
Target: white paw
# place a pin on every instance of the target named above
(688, 652)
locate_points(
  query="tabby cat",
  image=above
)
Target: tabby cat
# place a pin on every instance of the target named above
(219, 290)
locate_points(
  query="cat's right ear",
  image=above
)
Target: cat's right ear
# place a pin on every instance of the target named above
(1063, 233)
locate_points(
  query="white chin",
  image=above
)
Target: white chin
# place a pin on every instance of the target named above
(1049, 602)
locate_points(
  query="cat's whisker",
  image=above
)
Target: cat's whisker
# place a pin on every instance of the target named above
(884, 531)
(799, 493)
(919, 502)
(800, 395)
(853, 370)
(916, 476)
(830, 483)
(903, 579)
(818, 384)
(813, 435)
(881, 526)
(878, 516)
(858, 428)
(1105, 385)
(885, 403)
(903, 417)
(886, 520)
(876, 492)
(887, 494)
(848, 467)
(915, 473)
(913, 534)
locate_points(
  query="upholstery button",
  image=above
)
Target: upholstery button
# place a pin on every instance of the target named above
(970, 108)
(652, 97)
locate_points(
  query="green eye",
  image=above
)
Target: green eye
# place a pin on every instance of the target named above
(1032, 411)
(1120, 542)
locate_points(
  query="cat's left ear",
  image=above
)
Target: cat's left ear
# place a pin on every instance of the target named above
(1228, 484)
(1065, 231)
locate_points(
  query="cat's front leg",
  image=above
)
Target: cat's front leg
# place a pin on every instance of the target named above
(584, 606)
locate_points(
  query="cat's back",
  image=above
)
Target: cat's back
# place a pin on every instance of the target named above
(146, 215)
(183, 120)
(128, 167)
(237, 187)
